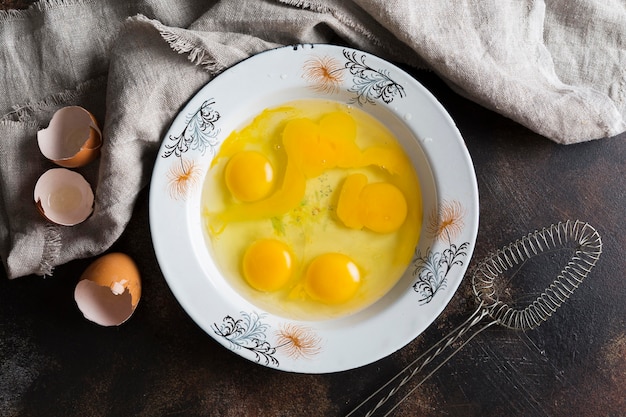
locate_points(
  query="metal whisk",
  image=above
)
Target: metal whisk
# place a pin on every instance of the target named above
(580, 237)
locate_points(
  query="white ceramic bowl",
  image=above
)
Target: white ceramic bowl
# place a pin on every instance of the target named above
(429, 137)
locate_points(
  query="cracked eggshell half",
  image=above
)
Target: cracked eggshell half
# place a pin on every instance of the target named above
(72, 139)
(64, 197)
(109, 290)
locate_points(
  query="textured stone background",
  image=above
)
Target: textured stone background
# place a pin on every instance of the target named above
(159, 363)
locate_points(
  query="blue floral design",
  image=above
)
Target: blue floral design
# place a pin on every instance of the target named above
(432, 270)
(370, 84)
(248, 332)
(200, 132)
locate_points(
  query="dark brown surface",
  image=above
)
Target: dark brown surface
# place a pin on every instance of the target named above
(55, 363)
(15, 4)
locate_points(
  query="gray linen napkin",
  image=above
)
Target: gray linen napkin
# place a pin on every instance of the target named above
(558, 68)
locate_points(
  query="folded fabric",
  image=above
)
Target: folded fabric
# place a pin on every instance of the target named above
(557, 68)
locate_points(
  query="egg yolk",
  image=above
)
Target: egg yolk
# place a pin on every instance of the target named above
(379, 206)
(332, 278)
(249, 176)
(384, 207)
(267, 264)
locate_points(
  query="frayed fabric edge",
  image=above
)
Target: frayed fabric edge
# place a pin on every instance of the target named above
(15, 124)
(303, 4)
(12, 14)
(51, 250)
(49, 4)
(23, 112)
(196, 54)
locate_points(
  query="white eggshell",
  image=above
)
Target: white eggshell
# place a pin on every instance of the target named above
(64, 197)
(101, 305)
(72, 139)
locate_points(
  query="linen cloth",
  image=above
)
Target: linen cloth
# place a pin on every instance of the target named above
(558, 68)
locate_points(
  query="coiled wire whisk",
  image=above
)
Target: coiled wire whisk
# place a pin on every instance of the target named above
(580, 237)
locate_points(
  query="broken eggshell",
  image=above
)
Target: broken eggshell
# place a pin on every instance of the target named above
(72, 139)
(109, 289)
(63, 196)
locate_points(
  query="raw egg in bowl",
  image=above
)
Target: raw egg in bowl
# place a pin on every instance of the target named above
(317, 215)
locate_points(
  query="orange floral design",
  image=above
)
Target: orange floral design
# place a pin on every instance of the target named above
(182, 177)
(298, 342)
(325, 73)
(447, 221)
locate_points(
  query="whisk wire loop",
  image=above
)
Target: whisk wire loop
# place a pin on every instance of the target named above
(578, 236)
(587, 246)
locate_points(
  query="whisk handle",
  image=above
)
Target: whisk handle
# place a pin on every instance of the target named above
(412, 369)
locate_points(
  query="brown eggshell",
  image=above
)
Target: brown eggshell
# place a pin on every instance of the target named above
(63, 196)
(109, 289)
(72, 139)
